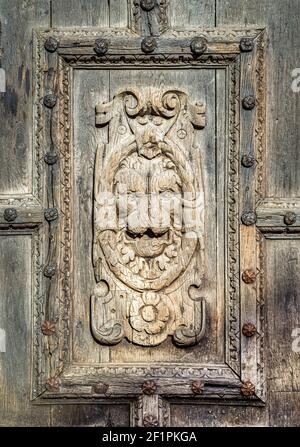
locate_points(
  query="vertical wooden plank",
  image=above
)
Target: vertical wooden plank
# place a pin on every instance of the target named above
(192, 13)
(80, 13)
(284, 409)
(249, 247)
(118, 13)
(283, 105)
(15, 320)
(17, 21)
(283, 314)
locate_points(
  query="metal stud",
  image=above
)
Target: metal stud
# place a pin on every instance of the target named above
(147, 5)
(249, 102)
(149, 387)
(248, 389)
(148, 44)
(101, 46)
(50, 158)
(52, 384)
(100, 388)
(290, 218)
(248, 160)
(51, 44)
(197, 387)
(10, 214)
(246, 44)
(50, 101)
(249, 329)
(51, 214)
(150, 421)
(249, 218)
(198, 45)
(48, 328)
(49, 270)
(249, 276)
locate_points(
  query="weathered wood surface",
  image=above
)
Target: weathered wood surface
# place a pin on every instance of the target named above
(94, 415)
(283, 133)
(15, 320)
(282, 256)
(17, 20)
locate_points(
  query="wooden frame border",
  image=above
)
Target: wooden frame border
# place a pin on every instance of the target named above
(54, 375)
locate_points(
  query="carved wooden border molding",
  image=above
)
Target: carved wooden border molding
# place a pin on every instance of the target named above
(54, 374)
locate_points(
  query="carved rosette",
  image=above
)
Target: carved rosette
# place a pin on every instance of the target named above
(148, 220)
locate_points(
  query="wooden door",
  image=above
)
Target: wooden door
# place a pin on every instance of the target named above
(149, 213)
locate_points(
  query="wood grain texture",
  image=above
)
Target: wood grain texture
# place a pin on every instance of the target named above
(283, 105)
(80, 13)
(284, 409)
(195, 415)
(16, 321)
(90, 415)
(100, 13)
(192, 13)
(283, 311)
(282, 253)
(89, 91)
(17, 20)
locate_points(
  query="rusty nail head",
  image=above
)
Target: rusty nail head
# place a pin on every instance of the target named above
(10, 214)
(148, 44)
(198, 45)
(249, 329)
(51, 44)
(246, 44)
(249, 276)
(150, 421)
(101, 46)
(249, 102)
(149, 387)
(248, 160)
(248, 389)
(48, 328)
(249, 218)
(50, 101)
(290, 218)
(147, 5)
(197, 386)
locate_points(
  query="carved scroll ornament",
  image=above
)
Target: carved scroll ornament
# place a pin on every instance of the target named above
(148, 220)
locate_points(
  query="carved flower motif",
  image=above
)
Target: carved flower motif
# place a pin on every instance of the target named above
(150, 421)
(149, 313)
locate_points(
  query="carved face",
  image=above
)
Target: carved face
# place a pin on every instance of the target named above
(152, 185)
(147, 180)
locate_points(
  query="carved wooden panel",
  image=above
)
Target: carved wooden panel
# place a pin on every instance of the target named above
(144, 248)
(148, 227)
(148, 232)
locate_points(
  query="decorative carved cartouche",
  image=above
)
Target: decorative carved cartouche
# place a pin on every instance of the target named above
(148, 220)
